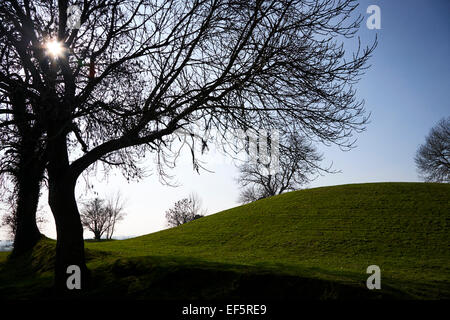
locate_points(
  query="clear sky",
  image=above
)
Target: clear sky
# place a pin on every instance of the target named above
(407, 90)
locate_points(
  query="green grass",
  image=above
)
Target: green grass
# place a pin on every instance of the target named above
(3, 256)
(314, 243)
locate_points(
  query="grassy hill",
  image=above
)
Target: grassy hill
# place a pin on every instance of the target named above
(314, 243)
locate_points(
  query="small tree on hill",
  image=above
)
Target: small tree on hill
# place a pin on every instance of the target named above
(100, 216)
(298, 161)
(184, 210)
(433, 157)
(94, 217)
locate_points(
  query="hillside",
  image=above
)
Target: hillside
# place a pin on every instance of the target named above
(320, 239)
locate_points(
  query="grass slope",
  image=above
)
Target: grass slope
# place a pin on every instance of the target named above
(314, 243)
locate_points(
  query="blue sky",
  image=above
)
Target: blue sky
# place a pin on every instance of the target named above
(407, 90)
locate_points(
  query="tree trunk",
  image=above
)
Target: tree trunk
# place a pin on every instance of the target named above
(28, 177)
(27, 233)
(70, 242)
(28, 174)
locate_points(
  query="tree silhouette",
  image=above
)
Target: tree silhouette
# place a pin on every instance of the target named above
(433, 157)
(22, 160)
(115, 210)
(298, 161)
(184, 210)
(135, 72)
(101, 216)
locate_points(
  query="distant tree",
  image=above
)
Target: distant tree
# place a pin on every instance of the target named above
(94, 217)
(298, 160)
(184, 210)
(115, 212)
(10, 219)
(100, 216)
(433, 157)
(250, 194)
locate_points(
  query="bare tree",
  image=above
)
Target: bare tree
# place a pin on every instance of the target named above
(10, 218)
(184, 210)
(250, 194)
(95, 218)
(115, 211)
(100, 216)
(135, 72)
(433, 157)
(298, 161)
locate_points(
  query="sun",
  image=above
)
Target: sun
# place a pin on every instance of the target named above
(55, 48)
